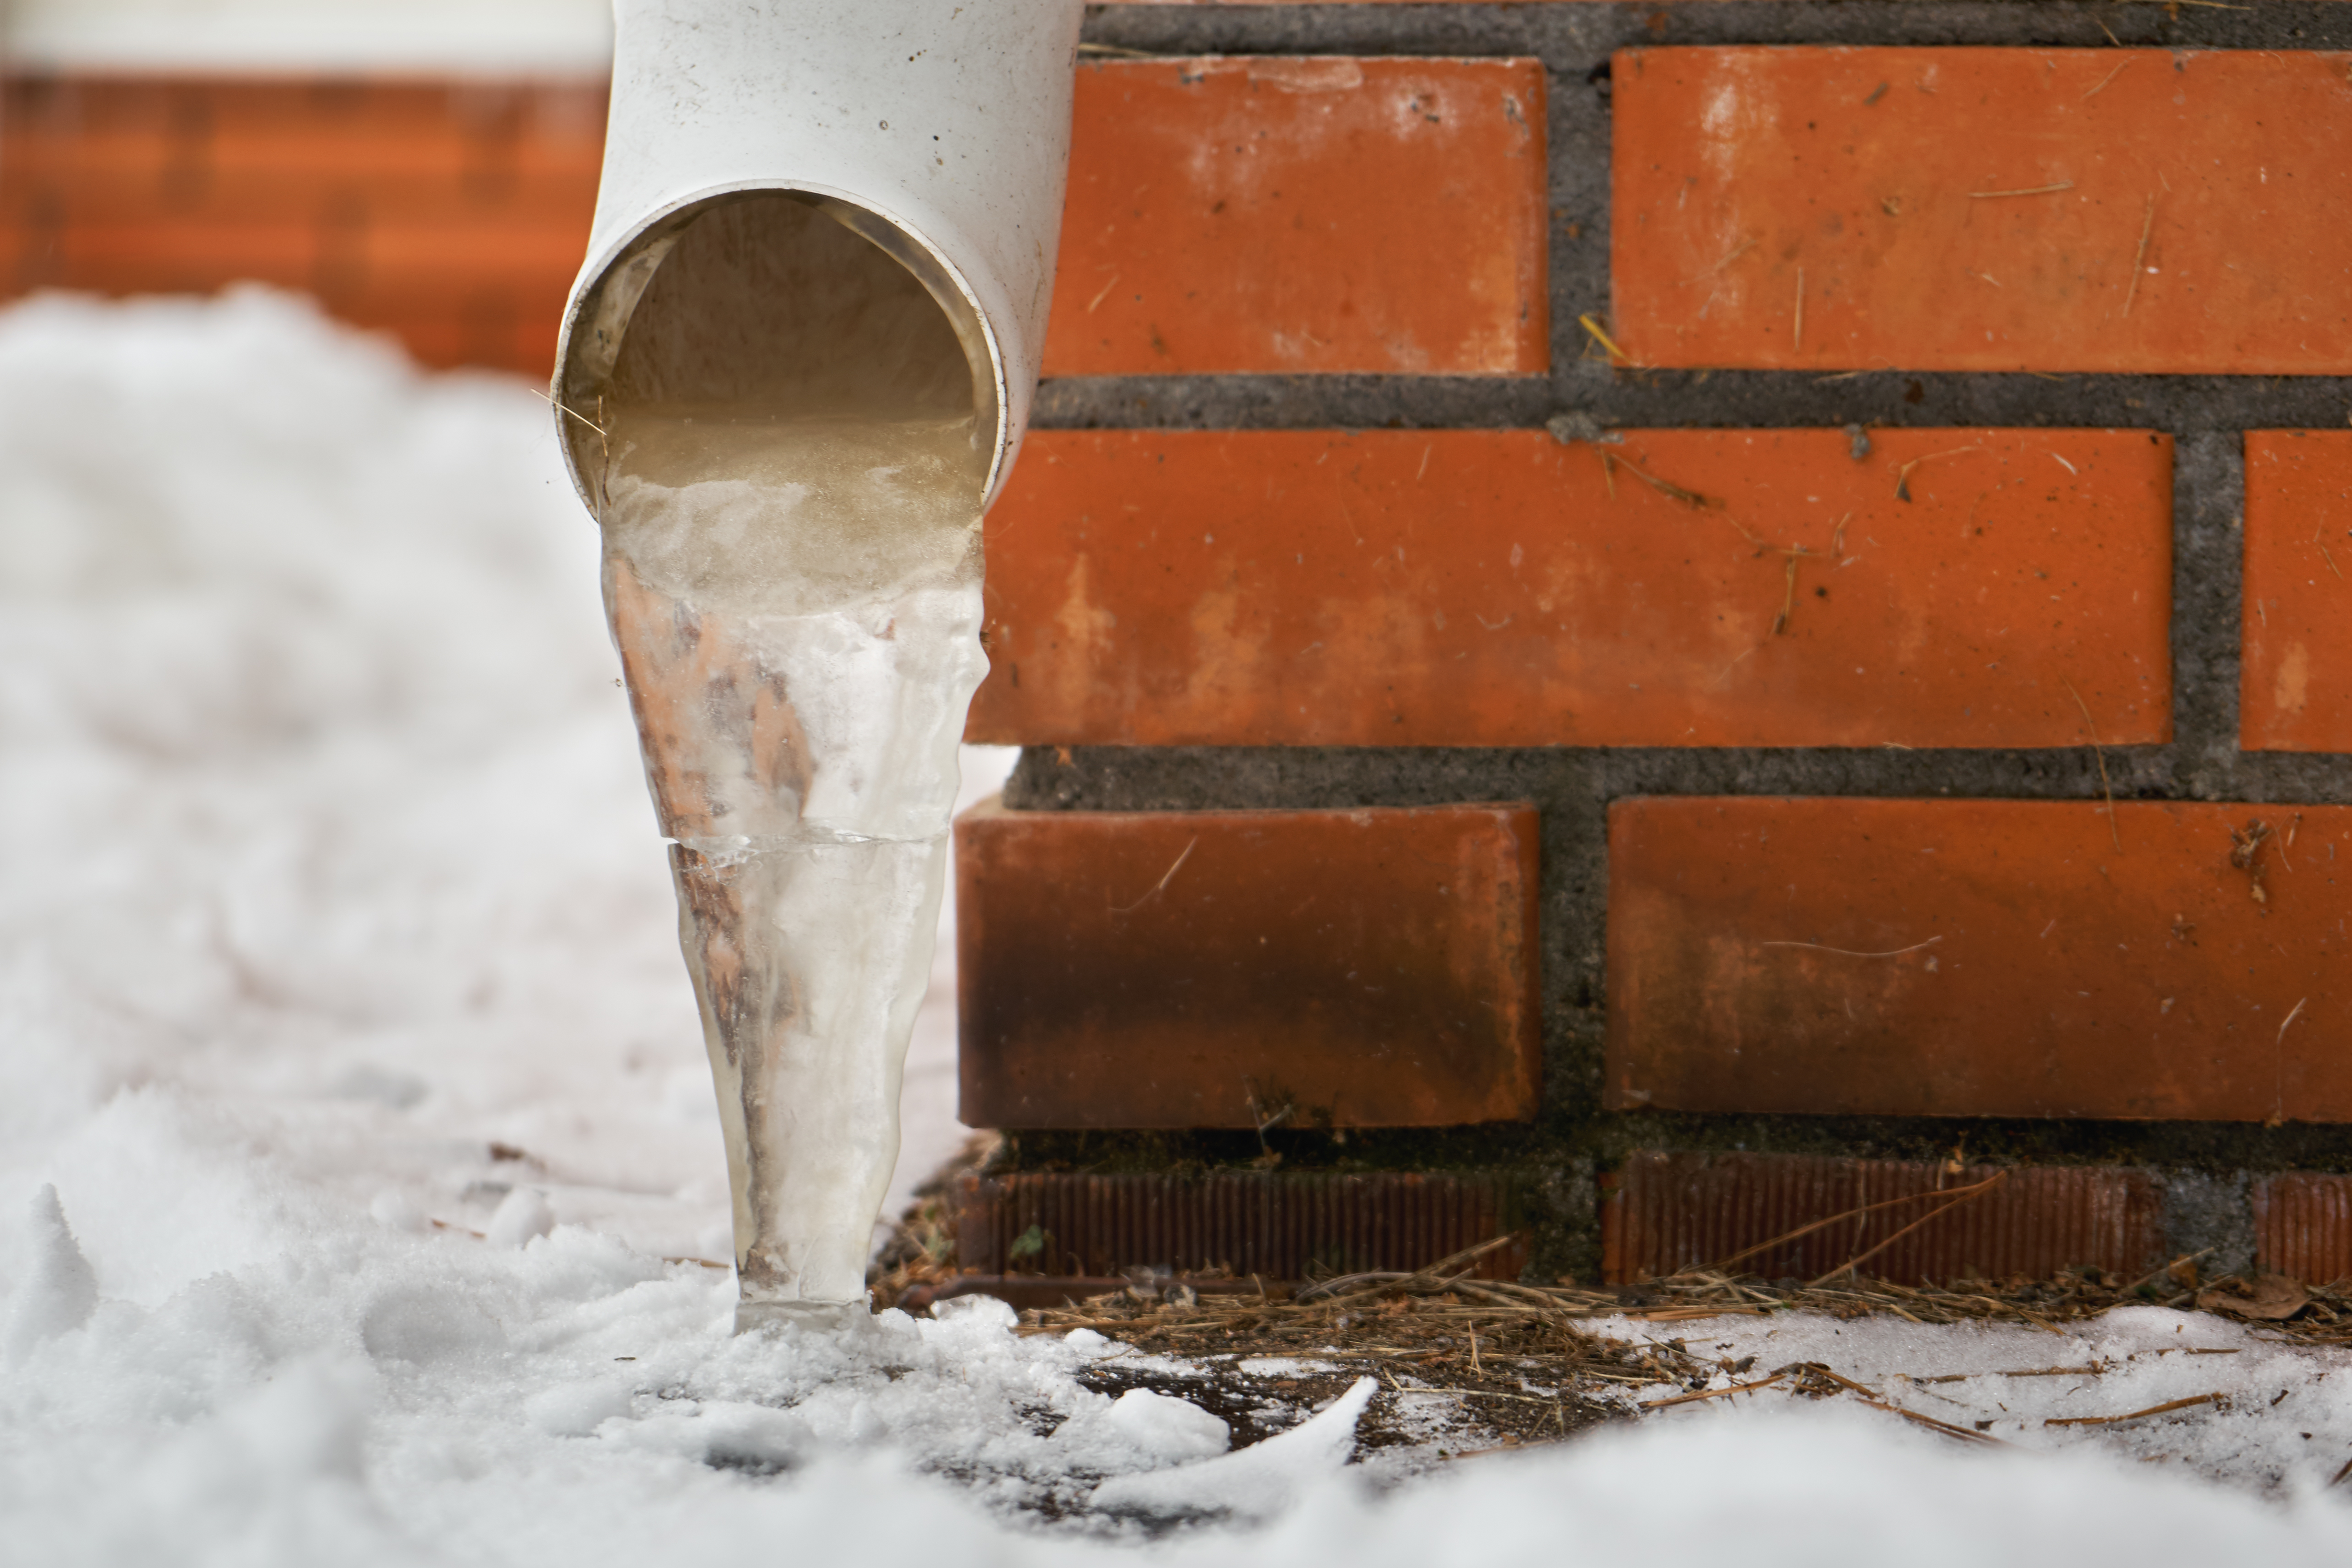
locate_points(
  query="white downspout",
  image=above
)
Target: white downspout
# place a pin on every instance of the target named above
(940, 127)
(790, 458)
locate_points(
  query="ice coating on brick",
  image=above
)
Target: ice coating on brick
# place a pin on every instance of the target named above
(791, 501)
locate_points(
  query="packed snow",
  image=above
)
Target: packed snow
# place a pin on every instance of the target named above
(359, 1162)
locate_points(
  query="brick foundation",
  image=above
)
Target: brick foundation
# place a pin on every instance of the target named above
(1774, 610)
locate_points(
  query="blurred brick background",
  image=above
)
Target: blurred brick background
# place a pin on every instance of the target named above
(452, 213)
(1834, 517)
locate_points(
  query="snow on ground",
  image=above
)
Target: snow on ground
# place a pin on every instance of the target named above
(2283, 1423)
(331, 907)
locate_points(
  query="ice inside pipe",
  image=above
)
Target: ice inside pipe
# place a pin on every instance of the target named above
(793, 469)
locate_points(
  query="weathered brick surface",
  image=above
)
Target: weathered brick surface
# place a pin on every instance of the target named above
(2294, 689)
(1984, 209)
(1283, 214)
(1224, 215)
(1234, 969)
(2302, 1226)
(1979, 958)
(1763, 1214)
(1498, 588)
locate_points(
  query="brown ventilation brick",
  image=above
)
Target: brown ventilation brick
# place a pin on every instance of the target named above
(1499, 588)
(1273, 214)
(1369, 968)
(2295, 691)
(1278, 1225)
(1674, 1211)
(1983, 209)
(2302, 1226)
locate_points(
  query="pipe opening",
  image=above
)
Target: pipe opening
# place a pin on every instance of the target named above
(738, 317)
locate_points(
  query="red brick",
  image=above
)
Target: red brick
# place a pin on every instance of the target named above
(1979, 958)
(2302, 1226)
(1373, 968)
(1497, 588)
(2294, 685)
(1668, 1212)
(1745, 179)
(1269, 213)
(1275, 1225)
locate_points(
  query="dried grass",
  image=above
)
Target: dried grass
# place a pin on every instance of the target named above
(1440, 1331)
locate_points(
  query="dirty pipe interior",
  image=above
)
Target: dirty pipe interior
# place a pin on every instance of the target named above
(790, 450)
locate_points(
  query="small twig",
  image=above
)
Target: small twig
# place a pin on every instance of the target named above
(1849, 953)
(2036, 190)
(1799, 342)
(2135, 1414)
(1467, 1255)
(560, 408)
(1673, 491)
(2108, 78)
(2093, 1369)
(1805, 1230)
(1959, 1196)
(1946, 1428)
(1744, 248)
(2150, 1275)
(1820, 1369)
(2099, 755)
(2293, 1013)
(1603, 338)
(1787, 595)
(1716, 1392)
(1161, 885)
(2139, 256)
(1903, 474)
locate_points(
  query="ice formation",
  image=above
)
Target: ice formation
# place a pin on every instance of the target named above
(790, 493)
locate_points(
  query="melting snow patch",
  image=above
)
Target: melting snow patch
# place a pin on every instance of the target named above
(1256, 1481)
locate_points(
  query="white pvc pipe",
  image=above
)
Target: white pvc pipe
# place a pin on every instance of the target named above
(800, 720)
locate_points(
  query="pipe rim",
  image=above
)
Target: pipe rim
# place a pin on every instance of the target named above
(649, 240)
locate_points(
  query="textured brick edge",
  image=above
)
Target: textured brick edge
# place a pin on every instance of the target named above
(1275, 1225)
(1765, 1213)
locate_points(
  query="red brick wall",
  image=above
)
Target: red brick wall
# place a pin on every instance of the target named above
(1905, 575)
(1867, 492)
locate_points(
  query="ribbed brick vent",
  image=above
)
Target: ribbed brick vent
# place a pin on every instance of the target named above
(2302, 1226)
(1676, 1211)
(1278, 1227)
